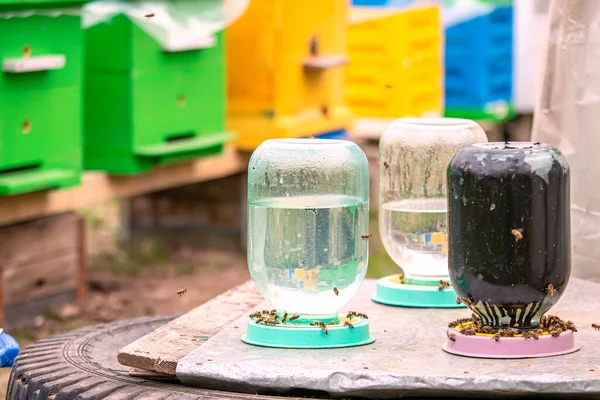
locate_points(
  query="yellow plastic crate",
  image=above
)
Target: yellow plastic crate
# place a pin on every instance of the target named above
(285, 62)
(395, 67)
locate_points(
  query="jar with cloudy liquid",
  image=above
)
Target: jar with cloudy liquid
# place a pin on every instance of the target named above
(414, 155)
(308, 206)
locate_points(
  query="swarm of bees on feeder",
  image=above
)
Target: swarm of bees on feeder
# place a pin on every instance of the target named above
(548, 323)
(271, 318)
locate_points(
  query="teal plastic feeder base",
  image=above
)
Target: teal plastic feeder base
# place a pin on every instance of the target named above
(391, 291)
(304, 336)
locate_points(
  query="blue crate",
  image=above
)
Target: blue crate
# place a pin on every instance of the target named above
(478, 80)
(479, 60)
(490, 33)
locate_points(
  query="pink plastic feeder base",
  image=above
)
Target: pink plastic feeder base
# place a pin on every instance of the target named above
(481, 346)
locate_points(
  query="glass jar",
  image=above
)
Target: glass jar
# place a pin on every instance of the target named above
(510, 243)
(414, 155)
(308, 208)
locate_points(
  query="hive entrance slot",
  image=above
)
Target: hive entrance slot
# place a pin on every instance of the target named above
(179, 137)
(31, 167)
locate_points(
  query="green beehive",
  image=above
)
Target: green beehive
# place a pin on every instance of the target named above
(41, 51)
(147, 105)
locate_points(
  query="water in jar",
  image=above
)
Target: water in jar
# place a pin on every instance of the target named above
(414, 233)
(301, 248)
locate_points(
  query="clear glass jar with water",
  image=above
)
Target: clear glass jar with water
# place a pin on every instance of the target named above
(308, 214)
(414, 155)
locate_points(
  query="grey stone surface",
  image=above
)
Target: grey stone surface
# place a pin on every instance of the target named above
(405, 360)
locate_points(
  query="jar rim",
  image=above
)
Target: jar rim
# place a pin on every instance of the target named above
(438, 123)
(308, 141)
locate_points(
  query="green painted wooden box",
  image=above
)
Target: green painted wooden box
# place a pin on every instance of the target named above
(146, 105)
(40, 99)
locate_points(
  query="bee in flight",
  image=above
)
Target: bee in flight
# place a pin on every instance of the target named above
(517, 233)
(181, 292)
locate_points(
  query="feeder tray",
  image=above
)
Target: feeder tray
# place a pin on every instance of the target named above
(302, 335)
(485, 345)
(414, 293)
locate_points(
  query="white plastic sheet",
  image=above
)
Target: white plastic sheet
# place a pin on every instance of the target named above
(175, 25)
(568, 117)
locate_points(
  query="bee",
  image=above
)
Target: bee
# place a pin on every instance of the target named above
(452, 324)
(468, 331)
(511, 332)
(550, 290)
(386, 164)
(458, 300)
(266, 321)
(356, 314)
(336, 291)
(367, 236)
(461, 321)
(596, 327)
(443, 285)
(401, 279)
(487, 329)
(451, 336)
(255, 315)
(531, 334)
(182, 291)
(321, 325)
(556, 332)
(273, 312)
(312, 210)
(517, 233)
(149, 15)
(466, 301)
(294, 317)
(349, 325)
(284, 318)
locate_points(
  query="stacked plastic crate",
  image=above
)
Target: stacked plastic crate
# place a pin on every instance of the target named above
(479, 65)
(395, 67)
(478, 55)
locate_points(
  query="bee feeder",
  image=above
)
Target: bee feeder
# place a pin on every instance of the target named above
(308, 216)
(300, 334)
(509, 245)
(414, 155)
(486, 346)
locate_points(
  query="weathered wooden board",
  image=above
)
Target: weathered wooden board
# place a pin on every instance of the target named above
(41, 279)
(160, 350)
(41, 259)
(34, 241)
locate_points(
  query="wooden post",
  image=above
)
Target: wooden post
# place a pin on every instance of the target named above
(82, 273)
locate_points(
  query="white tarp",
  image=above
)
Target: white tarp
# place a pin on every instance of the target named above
(568, 117)
(173, 24)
